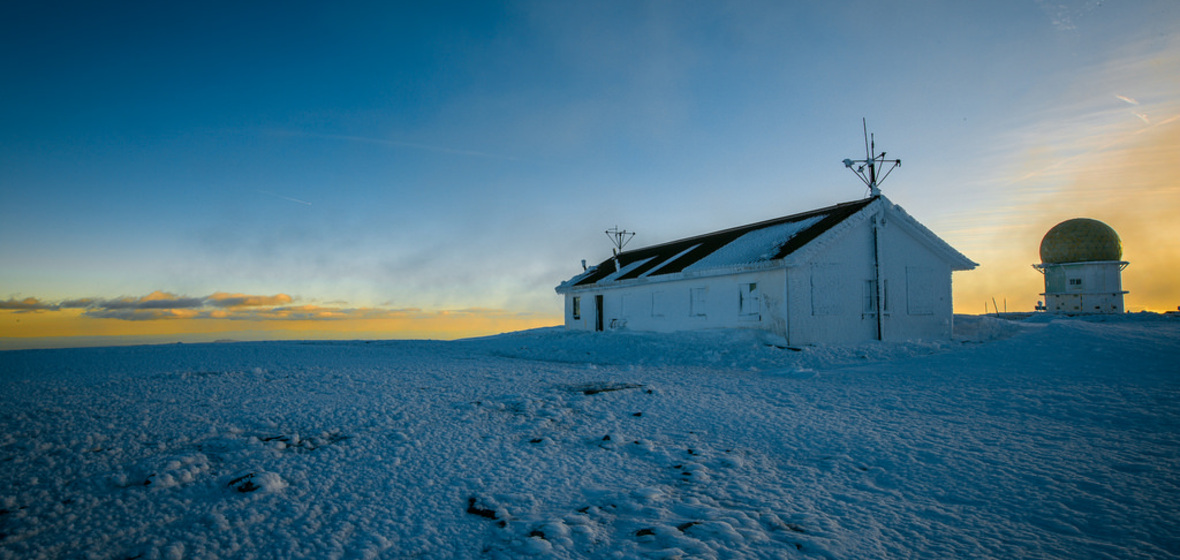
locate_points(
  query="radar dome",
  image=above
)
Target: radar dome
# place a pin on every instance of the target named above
(1080, 240)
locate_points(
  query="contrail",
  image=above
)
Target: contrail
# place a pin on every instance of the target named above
(1127, 100)
(285, 197)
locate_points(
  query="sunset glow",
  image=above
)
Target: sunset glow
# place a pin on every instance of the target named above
(31, 323)
(1107, 163)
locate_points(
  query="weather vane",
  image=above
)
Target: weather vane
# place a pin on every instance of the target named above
(872, 169)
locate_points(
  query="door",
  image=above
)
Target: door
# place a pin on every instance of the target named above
(598, 312)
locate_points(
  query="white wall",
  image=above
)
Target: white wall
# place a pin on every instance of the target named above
(1096, 287)
(827, 299)
(921, 304)
(667, 306)
(826, 294)
(831, 297)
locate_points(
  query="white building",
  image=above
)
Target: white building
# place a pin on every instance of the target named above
(852, 272)
(1083, 267)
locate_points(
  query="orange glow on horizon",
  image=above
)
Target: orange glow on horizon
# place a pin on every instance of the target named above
(1129, 183)
(27, 329)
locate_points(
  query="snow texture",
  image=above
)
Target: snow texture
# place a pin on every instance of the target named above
(757, 246)
(1033, 439)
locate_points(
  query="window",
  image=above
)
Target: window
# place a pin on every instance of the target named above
(576, 307)
(749, 300)
(870, 299)
(870, 296)
(1075, 283)
(696, 304)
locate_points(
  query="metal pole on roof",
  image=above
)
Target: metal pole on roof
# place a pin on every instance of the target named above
(619, 237)
(871, 163)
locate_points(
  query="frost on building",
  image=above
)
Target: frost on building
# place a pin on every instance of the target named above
(1083, 267)
(857, 271)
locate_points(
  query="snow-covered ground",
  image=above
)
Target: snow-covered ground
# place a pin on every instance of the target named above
(1032, 439)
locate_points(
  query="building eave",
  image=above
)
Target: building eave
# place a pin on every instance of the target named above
(571, 288)
(1042, 266)
(957, 261)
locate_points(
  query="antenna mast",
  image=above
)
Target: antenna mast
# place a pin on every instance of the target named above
(872, 168)
(619, 238)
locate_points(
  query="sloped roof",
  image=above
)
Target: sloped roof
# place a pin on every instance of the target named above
(743, 245)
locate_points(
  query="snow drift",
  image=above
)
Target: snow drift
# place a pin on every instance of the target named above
(1034, 439)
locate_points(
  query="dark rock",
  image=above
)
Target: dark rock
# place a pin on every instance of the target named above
(474, 509)
(244, 483)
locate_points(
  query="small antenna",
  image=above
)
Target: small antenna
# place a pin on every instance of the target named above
(619, 237)
(872, 169)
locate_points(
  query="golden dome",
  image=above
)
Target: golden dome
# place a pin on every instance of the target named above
(1081, 240)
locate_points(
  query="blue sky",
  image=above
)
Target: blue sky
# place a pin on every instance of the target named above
(460, 156)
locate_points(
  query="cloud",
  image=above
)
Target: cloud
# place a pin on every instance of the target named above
(27, 305)
(224, 300)
(65, 328)
(298, 313)
(155, 306)
(154, 300)
(162, 306)
(324, 313)
(131, 314)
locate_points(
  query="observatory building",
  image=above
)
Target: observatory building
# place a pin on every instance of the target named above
(1082, 263)
(852, 272)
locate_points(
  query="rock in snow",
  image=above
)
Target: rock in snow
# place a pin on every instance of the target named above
(1036, 439)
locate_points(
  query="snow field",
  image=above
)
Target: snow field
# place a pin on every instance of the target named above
(1034, 439)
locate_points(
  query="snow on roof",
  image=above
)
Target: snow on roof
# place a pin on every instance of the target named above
(748, 244)
(757, 246)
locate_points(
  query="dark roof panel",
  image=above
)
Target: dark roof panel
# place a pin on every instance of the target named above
(676, 256)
